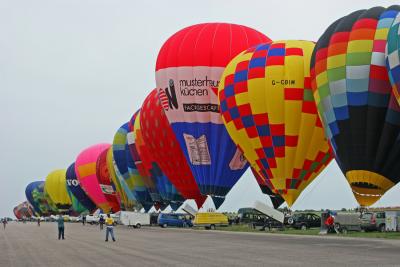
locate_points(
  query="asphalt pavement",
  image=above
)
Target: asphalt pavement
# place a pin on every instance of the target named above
(30, 245)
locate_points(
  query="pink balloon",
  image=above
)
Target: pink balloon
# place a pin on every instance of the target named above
(85, 168)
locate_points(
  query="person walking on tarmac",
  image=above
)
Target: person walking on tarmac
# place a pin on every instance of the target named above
(4, 223)
(101, 222)
(109, 227)
(38, 222)
(60, 224)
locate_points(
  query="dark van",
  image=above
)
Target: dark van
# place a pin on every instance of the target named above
(174, 220)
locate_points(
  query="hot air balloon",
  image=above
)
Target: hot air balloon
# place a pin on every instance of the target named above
(29, 196)
(80, 201)
(126, 204)
(188, 70)
(55, 187)
(160, 187)
(141, 158)
(269, 111)
(106, 184)
(140, 191)
(86, 171)
(120, 148)
(355, 101)
(35, 195)
(23, 210)
(165, 149)
(392, 54)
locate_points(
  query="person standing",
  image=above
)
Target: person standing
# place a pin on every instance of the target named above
(38, 221)
(83, 219)
(101, 222)
(4, 223)
(60, 223)
(109, 227)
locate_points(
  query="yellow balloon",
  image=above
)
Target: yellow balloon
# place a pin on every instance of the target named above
(55, 187)
(269, 111)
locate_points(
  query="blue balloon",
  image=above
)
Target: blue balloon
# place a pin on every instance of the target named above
(29, 196)
(74, 187)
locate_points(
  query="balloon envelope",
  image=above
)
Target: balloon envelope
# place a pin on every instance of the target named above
(164, 147)
(56, 188)
(141, 158)
(35, 193)
(120, 148)
(140, 190)
(355, 101)
(187, 76)
(392, 54)
(162, 186)
(80, 201)
(29, 196)
(23, 210)
(85, 168)
(106, 184)
(126, 203)
(269, 111)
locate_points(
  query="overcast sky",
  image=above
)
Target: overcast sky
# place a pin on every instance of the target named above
(71, 72)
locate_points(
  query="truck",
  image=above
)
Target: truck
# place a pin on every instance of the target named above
(134, 219)
(210, 220)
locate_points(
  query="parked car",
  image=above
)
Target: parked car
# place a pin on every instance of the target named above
(373, 221)
(174, 219)
(304, 221)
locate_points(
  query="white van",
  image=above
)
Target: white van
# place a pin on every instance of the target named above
(134, 219)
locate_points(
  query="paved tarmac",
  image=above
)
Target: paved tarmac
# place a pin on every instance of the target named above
(30, 245)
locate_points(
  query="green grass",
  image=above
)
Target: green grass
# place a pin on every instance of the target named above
(313, 231)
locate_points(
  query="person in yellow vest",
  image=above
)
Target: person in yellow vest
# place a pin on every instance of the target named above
(109, 227)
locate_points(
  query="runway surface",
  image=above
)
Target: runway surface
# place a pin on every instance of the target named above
(30, 245)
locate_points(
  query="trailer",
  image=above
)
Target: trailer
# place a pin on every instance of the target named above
(189, 210)
(134, 219)
(270, 212)
(343, 222)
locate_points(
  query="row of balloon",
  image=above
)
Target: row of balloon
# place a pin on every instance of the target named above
(227, 97)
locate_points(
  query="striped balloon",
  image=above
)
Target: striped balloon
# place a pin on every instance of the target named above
(393, 56)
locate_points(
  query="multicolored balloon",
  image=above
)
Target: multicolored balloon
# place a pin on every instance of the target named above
(86, 171)
(126, 203)
(188, 70)
(35, 194)
(161, 189)
(165, 149)
(355, 101)
(269, 111)
(106, 184)
(120, 148)
(29, 196)
(392, 54)
(77, 194)
(140, 190)
(23, 210)
(141, 158)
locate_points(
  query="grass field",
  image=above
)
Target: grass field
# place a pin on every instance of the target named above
(312, 231)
